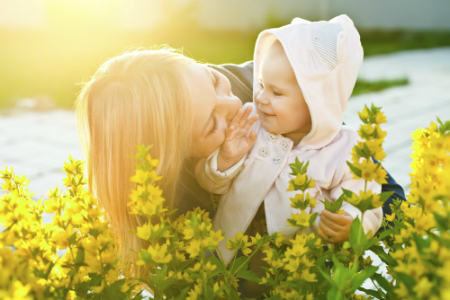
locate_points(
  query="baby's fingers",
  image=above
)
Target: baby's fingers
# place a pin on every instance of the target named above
(244, 117)
(229, 133)
(251, 138)
(237, 118)
(251, 121)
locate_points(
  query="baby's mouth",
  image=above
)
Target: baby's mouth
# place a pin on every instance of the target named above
(267, 115)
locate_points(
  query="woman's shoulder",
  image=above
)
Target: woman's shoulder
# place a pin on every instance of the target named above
(241, 79)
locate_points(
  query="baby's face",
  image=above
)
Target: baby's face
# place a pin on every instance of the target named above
(279, 99)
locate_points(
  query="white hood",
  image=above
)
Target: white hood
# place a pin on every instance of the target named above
(325, 57)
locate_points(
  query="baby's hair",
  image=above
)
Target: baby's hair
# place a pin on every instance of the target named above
(140, 97)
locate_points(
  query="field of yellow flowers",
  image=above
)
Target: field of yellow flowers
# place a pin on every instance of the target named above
(180, 261)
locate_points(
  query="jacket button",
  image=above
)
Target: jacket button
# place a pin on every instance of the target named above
(264, 152)
(278, 159)
(272, 138)
(284, 145)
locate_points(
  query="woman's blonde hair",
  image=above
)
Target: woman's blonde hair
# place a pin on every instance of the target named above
(141, 97)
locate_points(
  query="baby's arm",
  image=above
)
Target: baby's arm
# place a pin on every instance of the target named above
(216, 172)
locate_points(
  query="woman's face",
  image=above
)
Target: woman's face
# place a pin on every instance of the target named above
(214, 107)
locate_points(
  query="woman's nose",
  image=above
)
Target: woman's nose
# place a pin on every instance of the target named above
(229, 107)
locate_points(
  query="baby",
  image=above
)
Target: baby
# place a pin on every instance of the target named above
(304, 74)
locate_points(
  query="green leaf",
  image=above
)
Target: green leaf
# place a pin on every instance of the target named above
(328, 205)
(338, 203)
(357, 237)
(334, 294)
(386, 258)
(79, 260)
(73, 238)
(347, 193)
(182, 294)
(385, 233)
(385, 195)
(359, 279)
(382, 281)
(239, 263)
(248, 275)
(372, 293)
(409, 281)
(355, 170)
(305, 168)
(313, 218)
(146, 257)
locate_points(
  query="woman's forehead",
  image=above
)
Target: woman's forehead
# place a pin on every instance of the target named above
(200, 84)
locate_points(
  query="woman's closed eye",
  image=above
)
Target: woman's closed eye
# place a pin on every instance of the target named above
(216, 79)
(215, 125)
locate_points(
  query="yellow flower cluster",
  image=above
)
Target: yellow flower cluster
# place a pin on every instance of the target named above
(362, 165)
(420, 245)
(75, 257)
(301, 182)
(30, 265)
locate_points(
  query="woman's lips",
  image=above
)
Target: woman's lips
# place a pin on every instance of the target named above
(267, 115)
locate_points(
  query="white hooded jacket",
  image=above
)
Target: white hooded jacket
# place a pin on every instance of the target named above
(325, 57)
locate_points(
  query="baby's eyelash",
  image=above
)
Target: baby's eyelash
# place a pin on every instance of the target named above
(215, 125)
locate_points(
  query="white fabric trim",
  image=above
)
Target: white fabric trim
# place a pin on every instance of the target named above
(217, 176)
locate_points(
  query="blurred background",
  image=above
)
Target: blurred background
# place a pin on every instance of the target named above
(48, 46)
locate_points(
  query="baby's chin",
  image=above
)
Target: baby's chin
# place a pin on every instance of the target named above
(269, 127)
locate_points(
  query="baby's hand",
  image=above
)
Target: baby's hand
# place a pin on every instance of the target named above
(237, 143)
(334, 228)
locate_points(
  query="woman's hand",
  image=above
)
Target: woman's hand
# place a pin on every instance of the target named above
(334, 228)
(237, 143)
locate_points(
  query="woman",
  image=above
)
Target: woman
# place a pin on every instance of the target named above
(160, 98)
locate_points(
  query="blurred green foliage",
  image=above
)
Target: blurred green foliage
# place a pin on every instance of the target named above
(363, 86)
(52, 61)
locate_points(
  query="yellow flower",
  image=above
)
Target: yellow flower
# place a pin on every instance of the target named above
(193, 248)
(144, 232)
(368, 170)
(380, 118)
(366, 129)
(99, 289)
(300, 179)
(390, 217)
(380, 175)
(140, 176)
(423, 287)
(193, 293)
(305, 275)
(159, 254)
(301, 220)
(364, 115)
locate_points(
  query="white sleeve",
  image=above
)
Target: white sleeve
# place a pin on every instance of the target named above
(372, 218)
(213, 180)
